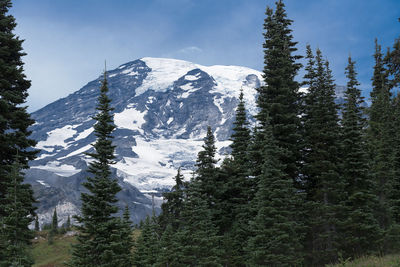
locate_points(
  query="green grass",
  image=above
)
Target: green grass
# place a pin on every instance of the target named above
(372, 261)
(54, 255)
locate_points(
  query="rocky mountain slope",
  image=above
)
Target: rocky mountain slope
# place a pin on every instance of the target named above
(162, 109)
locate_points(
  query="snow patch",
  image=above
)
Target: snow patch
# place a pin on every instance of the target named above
(84, 134)
(191, 77)
(57, 137)
(43, 183)
(164, 73)
(58, 168)
(131, 119)
(77, 152)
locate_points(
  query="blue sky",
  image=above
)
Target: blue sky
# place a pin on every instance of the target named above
(68, 41)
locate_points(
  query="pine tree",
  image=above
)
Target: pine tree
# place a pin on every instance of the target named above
(199, 242)
(54, 224)
(361, 232)
(323, 184)
(380, 140)
(173, 204)
(98, 241)
(147, 245)
(14, 119)
(167, 256)
(15, 235)
(37, 226)
(240, 137)
(14, 133)
(206, 167)
(126, 243)
(275, 234)
(68, 224)
(393, 60)
(234, 191)
(278, 100)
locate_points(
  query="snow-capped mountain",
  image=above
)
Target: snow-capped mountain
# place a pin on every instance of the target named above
(162, 109)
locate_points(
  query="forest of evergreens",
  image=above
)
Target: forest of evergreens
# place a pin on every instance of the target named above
(312, 183)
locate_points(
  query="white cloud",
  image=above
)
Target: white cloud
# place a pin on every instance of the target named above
(190, 50)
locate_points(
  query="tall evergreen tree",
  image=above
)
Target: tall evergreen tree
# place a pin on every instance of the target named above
(15, 235)
(206, 167)
(240, 137)
(54, 223)
(275, 234)
(37, 226)
(235, 191)
(380, 139)
(147, 245)
(126, 243)
(173, 204)
(14, 118)
(207, 173)
(198, 237)
(278, 100)
(68, 224)
(395, 192)
(361, 232)
(168, 254)
(393, 60)
(98, 241)
(323, 184)
(14, 133)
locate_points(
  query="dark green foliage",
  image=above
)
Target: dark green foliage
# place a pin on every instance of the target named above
(393, 60)
(235, 191)
(240, 137)
(68, 224)
(360, 233)
(173, 204)
(46, 226)
(15, 198)
(99, 242)
(15, 235)
(206, 171)
(323, 184)
(126, 243)
(147, 245)
(380, 140)
(37, 226)
(54, 224)
(275, 235)
(197, 237)
(14, 119)
(278, 99)
(167, 257)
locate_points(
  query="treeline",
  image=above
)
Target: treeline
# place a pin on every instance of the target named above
(312, 183)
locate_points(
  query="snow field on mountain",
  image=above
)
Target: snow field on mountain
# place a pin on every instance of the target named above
(58, 168)
(158, 158)
(131, 119)
(57, 137)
